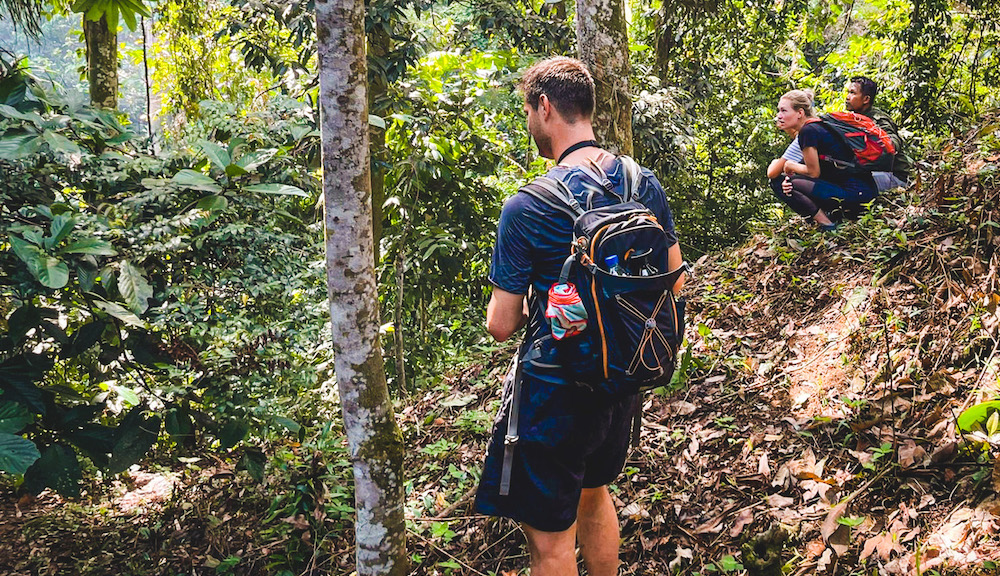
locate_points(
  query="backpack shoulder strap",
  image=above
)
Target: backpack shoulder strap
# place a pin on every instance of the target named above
(555, 194)
(632, 173)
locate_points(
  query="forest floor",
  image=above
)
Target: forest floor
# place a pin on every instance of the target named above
(816, 432)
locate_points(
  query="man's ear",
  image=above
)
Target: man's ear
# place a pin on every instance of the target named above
(544, 105)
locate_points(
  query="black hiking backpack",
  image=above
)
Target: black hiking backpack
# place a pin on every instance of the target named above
(635, 324)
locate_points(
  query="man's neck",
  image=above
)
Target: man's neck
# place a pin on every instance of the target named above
(571, 136)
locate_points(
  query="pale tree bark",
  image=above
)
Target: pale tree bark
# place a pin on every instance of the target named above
(374, 442)
(602, 44)
(102, 62)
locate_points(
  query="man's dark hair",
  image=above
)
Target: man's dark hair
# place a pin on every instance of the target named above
(867, 86)
(565, 81)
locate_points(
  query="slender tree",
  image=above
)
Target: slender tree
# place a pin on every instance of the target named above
(602, 44)
(374, 441)
(102, 61)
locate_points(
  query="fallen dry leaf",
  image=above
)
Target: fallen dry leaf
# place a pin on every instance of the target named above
(763, 466)
(742, 519)
(834, 533)
(779, 501)
(910, 454)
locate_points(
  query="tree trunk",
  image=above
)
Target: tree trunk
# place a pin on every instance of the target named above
(379, 45)
(374, 442)
(102, 62)
(602, 43)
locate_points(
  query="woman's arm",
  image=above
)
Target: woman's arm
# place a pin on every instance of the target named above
(809, 165)
(775, 168)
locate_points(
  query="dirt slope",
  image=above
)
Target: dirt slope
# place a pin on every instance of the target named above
(817, 431)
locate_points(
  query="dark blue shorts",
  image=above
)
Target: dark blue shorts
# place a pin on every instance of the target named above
(570, 439)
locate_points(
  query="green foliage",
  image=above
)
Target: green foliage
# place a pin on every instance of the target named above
(982, 417)
(138, 285)
(445, 143)
(110, 10)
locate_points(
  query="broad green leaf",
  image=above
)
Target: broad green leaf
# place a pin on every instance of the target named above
(178, 423)
(120, 312)
(977, 415)
(61, 144)
(288, 423)
(57, 468)
(17, 454)
(194, 180)
(251, 160)
(86, 275)
(14, 417)
(129, 396)
(285, 189)
(232, 433)
(128, 16)
(17, 380)
(376, 121)
(86, 336)
(134, 437)
(234, 170)
(27, 252)
(17, 147)
(213, 203)
(95, 440)
(215, 153)
(50, 271)
(94, 246)
(62, 226)
(133, 287)
(253, 462)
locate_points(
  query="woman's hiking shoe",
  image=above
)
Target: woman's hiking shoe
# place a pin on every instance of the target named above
(831, 227)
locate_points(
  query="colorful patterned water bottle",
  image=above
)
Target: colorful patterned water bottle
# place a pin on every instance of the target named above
(566, 313)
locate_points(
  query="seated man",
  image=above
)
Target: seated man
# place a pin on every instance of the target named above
(861, 93)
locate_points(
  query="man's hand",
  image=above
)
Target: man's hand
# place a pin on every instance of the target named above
(505, 314)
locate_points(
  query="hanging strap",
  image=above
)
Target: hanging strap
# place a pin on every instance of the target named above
(636, 425)
(511, 438)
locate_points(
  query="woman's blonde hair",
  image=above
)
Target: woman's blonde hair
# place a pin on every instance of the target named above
(800, 100)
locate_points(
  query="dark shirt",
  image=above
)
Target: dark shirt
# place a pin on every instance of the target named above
(902, 163)
(533, 239)
(814, 135)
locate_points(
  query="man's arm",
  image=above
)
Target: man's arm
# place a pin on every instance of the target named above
(883, 121)
(505, 314)
(675, 259)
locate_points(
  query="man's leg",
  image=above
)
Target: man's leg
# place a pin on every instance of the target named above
(597, 530)
(552, 553)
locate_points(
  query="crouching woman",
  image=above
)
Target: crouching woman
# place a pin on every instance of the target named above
(816, 188)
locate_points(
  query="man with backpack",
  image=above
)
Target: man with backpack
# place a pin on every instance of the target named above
(861, 92)
(560, 437)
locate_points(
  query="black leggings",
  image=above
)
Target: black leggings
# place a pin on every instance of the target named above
(809, 196)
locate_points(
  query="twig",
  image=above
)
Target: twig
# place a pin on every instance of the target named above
(865, 486)
(465, 498)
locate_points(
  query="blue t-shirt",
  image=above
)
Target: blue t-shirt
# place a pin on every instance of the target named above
(814, 135)
(533, 239)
